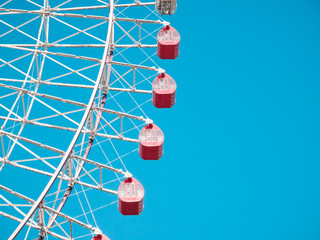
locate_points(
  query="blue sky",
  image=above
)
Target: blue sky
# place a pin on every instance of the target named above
(246, 165)
(242, 142)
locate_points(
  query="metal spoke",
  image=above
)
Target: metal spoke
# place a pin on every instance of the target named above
(59, 91)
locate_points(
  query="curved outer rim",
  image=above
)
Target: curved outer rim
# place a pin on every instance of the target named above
(78, 132)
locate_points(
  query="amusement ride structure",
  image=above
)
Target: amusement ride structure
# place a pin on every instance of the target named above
(75, 77)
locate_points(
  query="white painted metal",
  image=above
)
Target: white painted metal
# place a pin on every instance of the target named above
(42, 51)
(74, 140)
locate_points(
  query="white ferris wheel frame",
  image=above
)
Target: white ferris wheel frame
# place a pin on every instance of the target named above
(103, 78)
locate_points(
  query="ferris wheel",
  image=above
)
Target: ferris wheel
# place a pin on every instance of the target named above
(76, 81)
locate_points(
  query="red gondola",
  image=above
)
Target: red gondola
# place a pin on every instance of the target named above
(151, 142)
(168, 43)
(100, 237)
(163, 91)
(131, 194)
(166, 7)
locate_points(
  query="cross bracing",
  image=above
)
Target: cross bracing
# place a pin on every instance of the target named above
(95, 97)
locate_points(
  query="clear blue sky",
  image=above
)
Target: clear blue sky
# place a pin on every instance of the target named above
(242, 142)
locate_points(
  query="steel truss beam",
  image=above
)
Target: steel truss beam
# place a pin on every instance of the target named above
(45, 82)
(73, 180)
(33, 226)
(54, 14)
(79, 45)
(159, 70)
(59, 151)
(75, 138)
(137, 4)
(89, 107)
(52, 53)
(70, 219)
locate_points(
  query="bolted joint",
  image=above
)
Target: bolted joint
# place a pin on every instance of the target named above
(104, 81)
(149, 121)
(40, 217)
(43, 233)
(97, 231)
(71, 182)
(112, 47)
(160, 71)
(127, 174)
(91, 124)
(92, 135)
